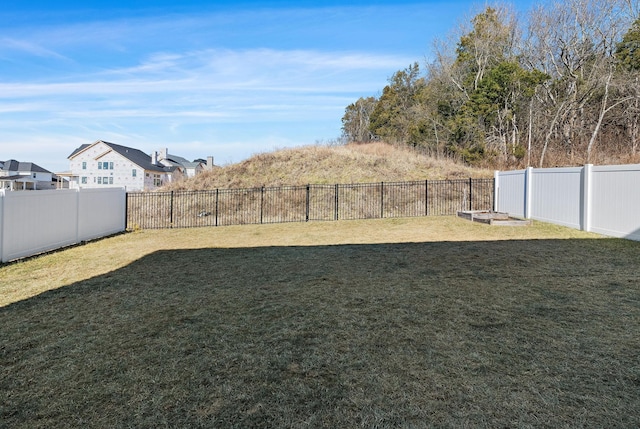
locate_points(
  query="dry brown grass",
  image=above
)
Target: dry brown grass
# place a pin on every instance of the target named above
(422, 322)
(353, 163)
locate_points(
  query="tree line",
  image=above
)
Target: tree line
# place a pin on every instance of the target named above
(562, 88)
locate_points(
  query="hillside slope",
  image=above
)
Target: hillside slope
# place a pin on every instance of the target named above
(353, 163)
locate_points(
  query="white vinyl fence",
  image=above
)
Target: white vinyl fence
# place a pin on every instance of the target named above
(601, 199)
(32, 222)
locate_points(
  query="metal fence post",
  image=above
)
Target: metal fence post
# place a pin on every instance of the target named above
(126, 211)
(306, 215)
(336, 201)
(171, 211)
(470, 194)
(381, 200)
(216, 206)
(426, 197)
(261, 202)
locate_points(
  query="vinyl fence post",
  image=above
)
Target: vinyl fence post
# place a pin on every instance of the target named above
(587, 172)
(126, 210)
(78, 214)
(528, 176)
(496, 190)
(2, 198)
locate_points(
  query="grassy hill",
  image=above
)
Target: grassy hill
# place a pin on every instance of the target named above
(318, 164)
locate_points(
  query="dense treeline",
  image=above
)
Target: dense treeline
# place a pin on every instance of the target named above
(561, 88)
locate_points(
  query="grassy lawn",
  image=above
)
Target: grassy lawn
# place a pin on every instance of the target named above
(426, 322)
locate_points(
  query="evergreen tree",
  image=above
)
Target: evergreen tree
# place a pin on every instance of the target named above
(393, 118)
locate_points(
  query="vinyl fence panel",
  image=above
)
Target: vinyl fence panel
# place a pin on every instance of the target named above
(101, 212)
(37, 221)
(32, 222)
(510, 192)
(602, 199)
(556, 196)
(615, 201)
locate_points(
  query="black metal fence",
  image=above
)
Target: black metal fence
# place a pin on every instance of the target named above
(183, 209)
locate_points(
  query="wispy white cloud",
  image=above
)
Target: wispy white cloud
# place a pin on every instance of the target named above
(28, 47)
(224, 84)
(221, 70)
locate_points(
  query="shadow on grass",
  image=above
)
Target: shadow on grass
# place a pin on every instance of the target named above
(507, 333)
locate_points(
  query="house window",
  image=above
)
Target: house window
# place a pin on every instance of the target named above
(111, 180)
(111, 166)
(99, 180)
(105, 165)
(99, 166)
(34, 175)
(134, 172)
(84, 165)
(156, 180)
(84, 180)
(105, 180)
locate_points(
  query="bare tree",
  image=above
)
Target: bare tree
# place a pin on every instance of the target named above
(574, 42)
(628, 68)
(355, 122)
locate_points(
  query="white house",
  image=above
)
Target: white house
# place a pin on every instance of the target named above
(105, 164)
(15, 175)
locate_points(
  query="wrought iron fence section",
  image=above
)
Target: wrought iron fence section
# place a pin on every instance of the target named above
(359, 201)
(283, 204)
(404, 199)
(187, 209)
(483, 194)
(238, 206)
(148, 210)
(322, 202)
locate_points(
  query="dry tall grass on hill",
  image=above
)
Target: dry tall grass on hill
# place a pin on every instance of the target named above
(353, 163)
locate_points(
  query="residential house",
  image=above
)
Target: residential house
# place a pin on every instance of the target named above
(192, 168)
(15, 175)
(105, 164)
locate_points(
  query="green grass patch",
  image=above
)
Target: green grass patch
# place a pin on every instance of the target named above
(399, 323)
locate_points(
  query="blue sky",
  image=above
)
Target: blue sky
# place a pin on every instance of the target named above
(226, 79)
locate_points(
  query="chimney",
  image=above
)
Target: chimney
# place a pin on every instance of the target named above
(154, 157)
(164, 154)
(209, 163)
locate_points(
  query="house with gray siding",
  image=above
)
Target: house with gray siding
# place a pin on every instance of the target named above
(18, 176)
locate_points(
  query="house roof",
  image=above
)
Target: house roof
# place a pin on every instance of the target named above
(79, 149)
(134, 155)
(182, 161)
(13, 165)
